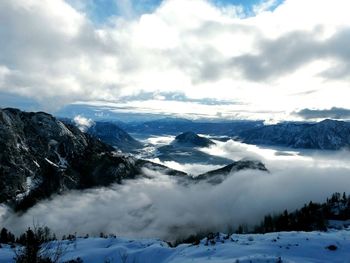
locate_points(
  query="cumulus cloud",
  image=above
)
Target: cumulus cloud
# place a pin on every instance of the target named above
(55, 54)
(52, 52)
(174, 96)
(159, 206)
(288, 53)
(83, 123)
(333, 113)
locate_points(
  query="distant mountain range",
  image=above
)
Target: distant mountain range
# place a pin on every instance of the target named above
(328, 134)
(175, 126)
(324, 135)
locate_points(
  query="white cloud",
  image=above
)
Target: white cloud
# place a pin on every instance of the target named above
(56, 55)
(192, 169)
(82, 122)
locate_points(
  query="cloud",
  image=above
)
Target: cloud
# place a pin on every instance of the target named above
(279, 56)
(82, 122)
(56, 54)
(192, 169)
(333, 113)
(161, 207)
(173, 96)
(288, 53)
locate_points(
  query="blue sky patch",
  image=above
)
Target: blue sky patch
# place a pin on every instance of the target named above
(100, 11)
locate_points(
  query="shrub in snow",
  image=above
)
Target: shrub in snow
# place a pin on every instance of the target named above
(332, 247)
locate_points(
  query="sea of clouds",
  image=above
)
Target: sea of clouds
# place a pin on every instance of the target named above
(159, 207)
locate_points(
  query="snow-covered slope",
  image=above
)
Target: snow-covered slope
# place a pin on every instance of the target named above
(305, 247)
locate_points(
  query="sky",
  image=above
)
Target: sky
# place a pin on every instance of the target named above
(227, 59)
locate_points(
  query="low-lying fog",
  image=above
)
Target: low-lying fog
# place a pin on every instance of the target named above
(159, 207)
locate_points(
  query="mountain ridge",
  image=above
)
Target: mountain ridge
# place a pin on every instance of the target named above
(219, 175)
(325, 135)
(112, 134)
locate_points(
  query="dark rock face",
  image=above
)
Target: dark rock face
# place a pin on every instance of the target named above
(40, 155)
(219, 175)
(192, 139)
(325, 135)
(111, 134)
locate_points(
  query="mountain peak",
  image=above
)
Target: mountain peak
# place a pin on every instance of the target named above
(192, 139)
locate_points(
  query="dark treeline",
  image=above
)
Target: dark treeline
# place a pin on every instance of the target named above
(36, 245)
(37, 234)
(310, 217)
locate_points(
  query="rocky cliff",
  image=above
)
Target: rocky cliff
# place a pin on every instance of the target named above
(39, 156)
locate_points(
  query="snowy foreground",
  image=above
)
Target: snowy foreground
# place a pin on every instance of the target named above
(272, 247)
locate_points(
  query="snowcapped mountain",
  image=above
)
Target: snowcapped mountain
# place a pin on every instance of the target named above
(325, 135)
